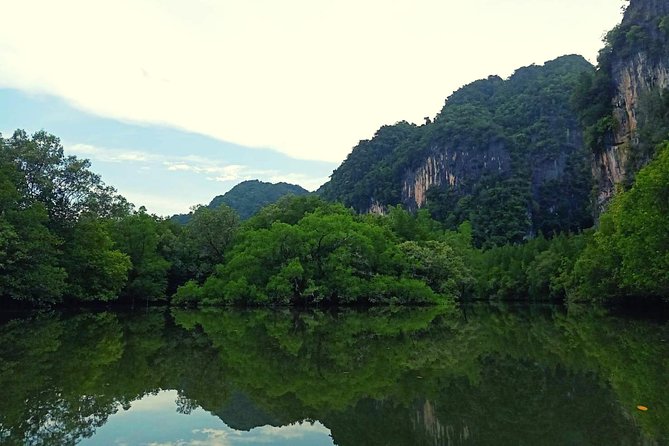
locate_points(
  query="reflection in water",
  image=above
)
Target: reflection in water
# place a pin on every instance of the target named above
(530, 375)
(154, 420)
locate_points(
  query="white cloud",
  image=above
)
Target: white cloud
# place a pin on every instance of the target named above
(163, 202)
(307, 182)
(229, 172)
(292, 431)
(213, 437)
(188, 163)
(215, 170)
(178, 166)
(309, 78)
(110, 155)
(260, 435)
(157, 203)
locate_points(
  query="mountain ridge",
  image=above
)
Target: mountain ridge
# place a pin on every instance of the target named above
(519, 138)
(248, 197)
(541, 152)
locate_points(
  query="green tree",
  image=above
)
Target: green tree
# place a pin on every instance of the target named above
(29, 253)
(329, 256)
(207, 236)
(629, 253)
(96, 271)
(139, 237)
(438, 265)
(63, 184)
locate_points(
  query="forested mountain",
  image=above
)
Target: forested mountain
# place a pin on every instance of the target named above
(539, 153)
(507, 155)
(248, 197)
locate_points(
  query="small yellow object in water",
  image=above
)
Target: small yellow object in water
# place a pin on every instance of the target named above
(642, 408)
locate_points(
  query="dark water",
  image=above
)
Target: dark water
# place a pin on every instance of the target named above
(488, 376)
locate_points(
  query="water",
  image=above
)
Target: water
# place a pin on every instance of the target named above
(491, 375)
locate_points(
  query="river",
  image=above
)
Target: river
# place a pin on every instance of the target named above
(482, 375)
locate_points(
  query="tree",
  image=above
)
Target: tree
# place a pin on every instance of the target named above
(438, 265)
(139, 236)
(629, 253)
(96, 271)
(64, 185)
(207, 236)
(328, 256)
(28, 251)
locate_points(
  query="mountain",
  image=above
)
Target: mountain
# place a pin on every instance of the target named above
(248, 197)
(507, 155)
(626, 108)
(541, 152)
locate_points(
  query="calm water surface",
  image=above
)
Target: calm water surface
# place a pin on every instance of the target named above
(491, 375)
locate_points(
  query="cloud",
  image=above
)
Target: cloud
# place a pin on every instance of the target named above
(152, 184)
(229, 172)
(214, 437)
(152, 402)
(234, 173)
(110, 155)
(308, 78)
(308, 182)
(214, 432)
(179, 166)
(187, 163)
(262, 435)
(160, 204)
(292, 431)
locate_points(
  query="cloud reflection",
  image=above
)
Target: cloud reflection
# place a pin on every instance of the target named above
(264, 435)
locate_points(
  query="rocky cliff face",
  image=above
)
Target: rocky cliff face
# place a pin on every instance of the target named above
(505, 154)
(459, 169)
(427, 424)
(639, 65)
(452, 168)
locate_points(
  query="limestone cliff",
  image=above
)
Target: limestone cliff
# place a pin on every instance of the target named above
(459, 169)
(638, 65)
(426, 423)
(505, 154)
(452, 168)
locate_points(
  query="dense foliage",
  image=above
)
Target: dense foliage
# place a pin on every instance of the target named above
(626, 256)
(66, 237)
(328, 255)
(54, 237)
(385, 376)
(513, 149)
(248, 197)
(629, 253)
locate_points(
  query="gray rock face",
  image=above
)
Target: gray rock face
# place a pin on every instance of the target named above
(637, 69)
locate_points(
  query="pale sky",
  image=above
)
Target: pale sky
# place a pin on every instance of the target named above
(308, 78)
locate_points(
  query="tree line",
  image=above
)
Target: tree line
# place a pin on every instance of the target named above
(67, 238)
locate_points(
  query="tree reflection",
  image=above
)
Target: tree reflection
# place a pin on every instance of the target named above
(381, 377)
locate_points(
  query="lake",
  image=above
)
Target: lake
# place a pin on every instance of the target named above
(483, 375)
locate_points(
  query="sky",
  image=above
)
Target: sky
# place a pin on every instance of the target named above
(296, 80)
(139, 426)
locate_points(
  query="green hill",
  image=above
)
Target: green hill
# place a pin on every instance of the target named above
(248, 197)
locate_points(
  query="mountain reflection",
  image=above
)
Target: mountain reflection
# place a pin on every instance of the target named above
(530, 375)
